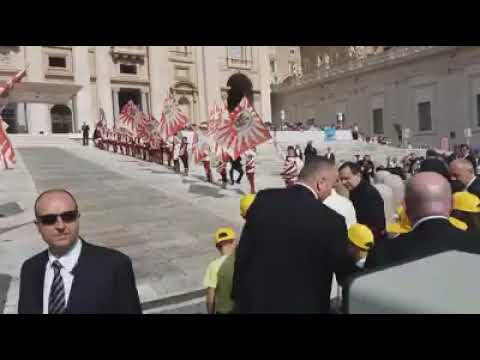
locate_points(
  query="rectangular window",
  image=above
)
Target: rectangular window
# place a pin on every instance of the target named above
(424, 116)
(128, 69)
(236, 52)
(478, 109)
(377, 115)
(57, 61)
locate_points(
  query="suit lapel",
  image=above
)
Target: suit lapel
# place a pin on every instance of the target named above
(80, 279)
(38, 283)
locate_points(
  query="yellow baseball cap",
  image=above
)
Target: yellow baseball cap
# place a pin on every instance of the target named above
(224, 234)
(360, 236)
(465, 201)
(459, 224)
(245, 202)
(403, 225)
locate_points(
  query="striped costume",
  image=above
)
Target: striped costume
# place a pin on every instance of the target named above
(250, 170)
(291, 169)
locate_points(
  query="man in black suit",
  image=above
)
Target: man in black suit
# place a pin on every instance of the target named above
(462, 170)
(290, 246)
(330, 155)
(310, 151)
(237, 166)
(428, 201)
(86, 132)
(73, 276)
(366, 199)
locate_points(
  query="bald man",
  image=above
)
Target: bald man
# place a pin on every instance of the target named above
(462, 170)
(428, 200)
(290, 247)
(73, 276)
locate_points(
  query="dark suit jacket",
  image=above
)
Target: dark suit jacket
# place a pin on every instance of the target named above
(471, 158)
(103, 283)
(429, 238)
(330, 157)
(474, 187)
(290, 246)
(369, 207)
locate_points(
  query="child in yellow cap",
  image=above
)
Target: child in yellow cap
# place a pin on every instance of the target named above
(245, 202)
(403, 224)
(361, 240)
(466, 207)
(218, 278)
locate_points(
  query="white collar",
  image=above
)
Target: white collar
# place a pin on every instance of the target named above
(426, 218)
(470, 182)
(361, 263)
(309, 188)
(70, 259)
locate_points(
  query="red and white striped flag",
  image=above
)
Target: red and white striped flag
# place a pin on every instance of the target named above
(129, 117)
(8, 86)
(200, 144)
(147, 127)
(172, 120)
(7, 154)
(245, 130)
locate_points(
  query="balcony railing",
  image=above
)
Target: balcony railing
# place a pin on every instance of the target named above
(327, 72)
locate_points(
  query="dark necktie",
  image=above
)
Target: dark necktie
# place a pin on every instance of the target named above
(56, 300)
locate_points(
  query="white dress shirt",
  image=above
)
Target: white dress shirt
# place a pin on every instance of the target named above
(342, 206)
(68, 261)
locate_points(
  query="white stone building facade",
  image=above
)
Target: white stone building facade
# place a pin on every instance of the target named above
(432, 90)
(109, 76)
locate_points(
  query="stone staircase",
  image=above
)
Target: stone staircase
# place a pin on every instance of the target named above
(344, 150)
(55, 140)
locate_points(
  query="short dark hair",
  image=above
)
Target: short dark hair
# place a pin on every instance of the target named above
(314, 164)
(354, 168)
(53, 191)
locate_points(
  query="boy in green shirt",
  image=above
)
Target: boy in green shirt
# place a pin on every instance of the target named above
(219, 274)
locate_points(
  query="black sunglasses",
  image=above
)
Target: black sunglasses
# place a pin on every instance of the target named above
(50, 219)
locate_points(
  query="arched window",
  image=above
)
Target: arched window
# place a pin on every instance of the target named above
(61, 119)
(185, 106)
(240, 86)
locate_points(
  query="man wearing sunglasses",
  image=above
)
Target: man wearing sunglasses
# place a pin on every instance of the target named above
(73, 276)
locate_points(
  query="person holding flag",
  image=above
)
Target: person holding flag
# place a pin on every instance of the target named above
(250, 168)
(183, 154)
(222, 168)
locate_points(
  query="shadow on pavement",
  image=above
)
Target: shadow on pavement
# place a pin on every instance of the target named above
(205, 190)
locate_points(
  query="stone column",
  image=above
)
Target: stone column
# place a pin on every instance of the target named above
(104, 89)
(264, 71)
(116, 105)
(201, 100)
(83, 99)
(161, 77)
(211, 83)
(144, 101)
(38, 115)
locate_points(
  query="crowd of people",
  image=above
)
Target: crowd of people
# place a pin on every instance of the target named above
(174, 153)
(342, 221)
(329, 220)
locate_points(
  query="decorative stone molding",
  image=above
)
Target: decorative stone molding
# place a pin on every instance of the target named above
(394, 55)
(129, 53)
